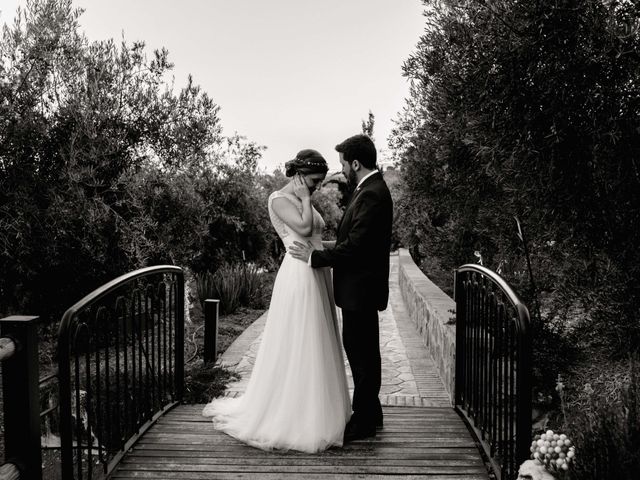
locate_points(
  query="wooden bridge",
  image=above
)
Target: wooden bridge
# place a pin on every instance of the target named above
(121, 377)
(416, 442)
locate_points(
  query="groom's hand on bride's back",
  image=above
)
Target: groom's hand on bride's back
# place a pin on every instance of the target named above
(301, 251)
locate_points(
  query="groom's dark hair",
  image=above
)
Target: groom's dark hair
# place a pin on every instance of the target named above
(359, 147)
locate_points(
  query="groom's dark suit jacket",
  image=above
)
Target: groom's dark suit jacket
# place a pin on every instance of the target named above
(360, 259)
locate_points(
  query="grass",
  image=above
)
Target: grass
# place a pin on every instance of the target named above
(205, 381)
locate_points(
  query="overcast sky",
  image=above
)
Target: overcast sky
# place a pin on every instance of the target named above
(287, 74)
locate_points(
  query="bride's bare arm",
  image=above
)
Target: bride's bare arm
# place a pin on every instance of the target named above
(299, 222)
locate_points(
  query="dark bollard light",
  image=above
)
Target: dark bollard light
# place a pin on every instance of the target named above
(211, 313)
(20, 383)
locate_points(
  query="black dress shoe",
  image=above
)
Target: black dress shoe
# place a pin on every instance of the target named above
(354, 432)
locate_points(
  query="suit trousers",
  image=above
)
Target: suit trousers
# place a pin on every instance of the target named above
(361, 339)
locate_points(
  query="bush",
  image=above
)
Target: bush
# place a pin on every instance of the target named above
(604, 422)
(252, 283)
(529, 109)
(146, 177)
(204, 382)
(326, 200)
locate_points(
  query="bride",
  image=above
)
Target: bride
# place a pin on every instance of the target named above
(297, 397)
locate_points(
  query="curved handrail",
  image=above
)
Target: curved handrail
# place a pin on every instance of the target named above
(523, 311)
(109, 287)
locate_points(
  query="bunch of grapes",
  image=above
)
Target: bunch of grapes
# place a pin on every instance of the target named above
(555, 452)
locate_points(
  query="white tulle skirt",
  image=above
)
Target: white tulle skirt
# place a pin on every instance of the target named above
(297, 397)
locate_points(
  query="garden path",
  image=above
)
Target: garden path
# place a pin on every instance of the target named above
(409, 376)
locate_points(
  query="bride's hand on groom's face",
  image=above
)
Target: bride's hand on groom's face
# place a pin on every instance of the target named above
(301, 251)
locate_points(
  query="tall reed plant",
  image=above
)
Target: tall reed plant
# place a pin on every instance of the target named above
(234, 285)
(252, 283)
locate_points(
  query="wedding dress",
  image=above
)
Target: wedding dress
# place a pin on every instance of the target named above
(297, 397)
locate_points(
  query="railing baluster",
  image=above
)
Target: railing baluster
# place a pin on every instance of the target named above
(101, 317)
(141, 392)
(76, 365)
(125, 362)
(505, 391)
(88, 405)
(500, 396)
(512, 386)
(105, 443)
(475, 353)
(494, 372)
(171, 332)
(179, 344)
(147, 352)
(468, 340)
(134, 377)
(162, 344)
(483, 359)
(118, 409)
(164, 339)
(158, 350)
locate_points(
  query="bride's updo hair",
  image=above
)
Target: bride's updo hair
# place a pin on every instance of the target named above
(307, 161)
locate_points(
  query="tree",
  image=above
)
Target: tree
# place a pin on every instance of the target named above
(527, 109)
(367, 127)
(104, 169)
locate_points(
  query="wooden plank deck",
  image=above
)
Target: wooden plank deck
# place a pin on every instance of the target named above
(416, 443)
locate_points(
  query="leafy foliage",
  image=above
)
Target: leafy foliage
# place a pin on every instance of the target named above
(105, 167)
(394, 182)
(528, 109)
(367, 127)
(605, 416)
(327, 201)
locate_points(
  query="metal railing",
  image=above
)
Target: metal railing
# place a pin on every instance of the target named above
(493, 366)
(120, 366)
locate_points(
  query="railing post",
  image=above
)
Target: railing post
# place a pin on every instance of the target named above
(461, 313)
(20, 383)
(211, 315)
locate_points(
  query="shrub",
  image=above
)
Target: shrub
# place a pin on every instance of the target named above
(604, 422)
(546, 135)
(326, 200)
(150, 178)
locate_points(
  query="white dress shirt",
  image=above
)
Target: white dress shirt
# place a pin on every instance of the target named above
(365, 177)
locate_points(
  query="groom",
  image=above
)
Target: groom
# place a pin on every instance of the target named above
(360, 261)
